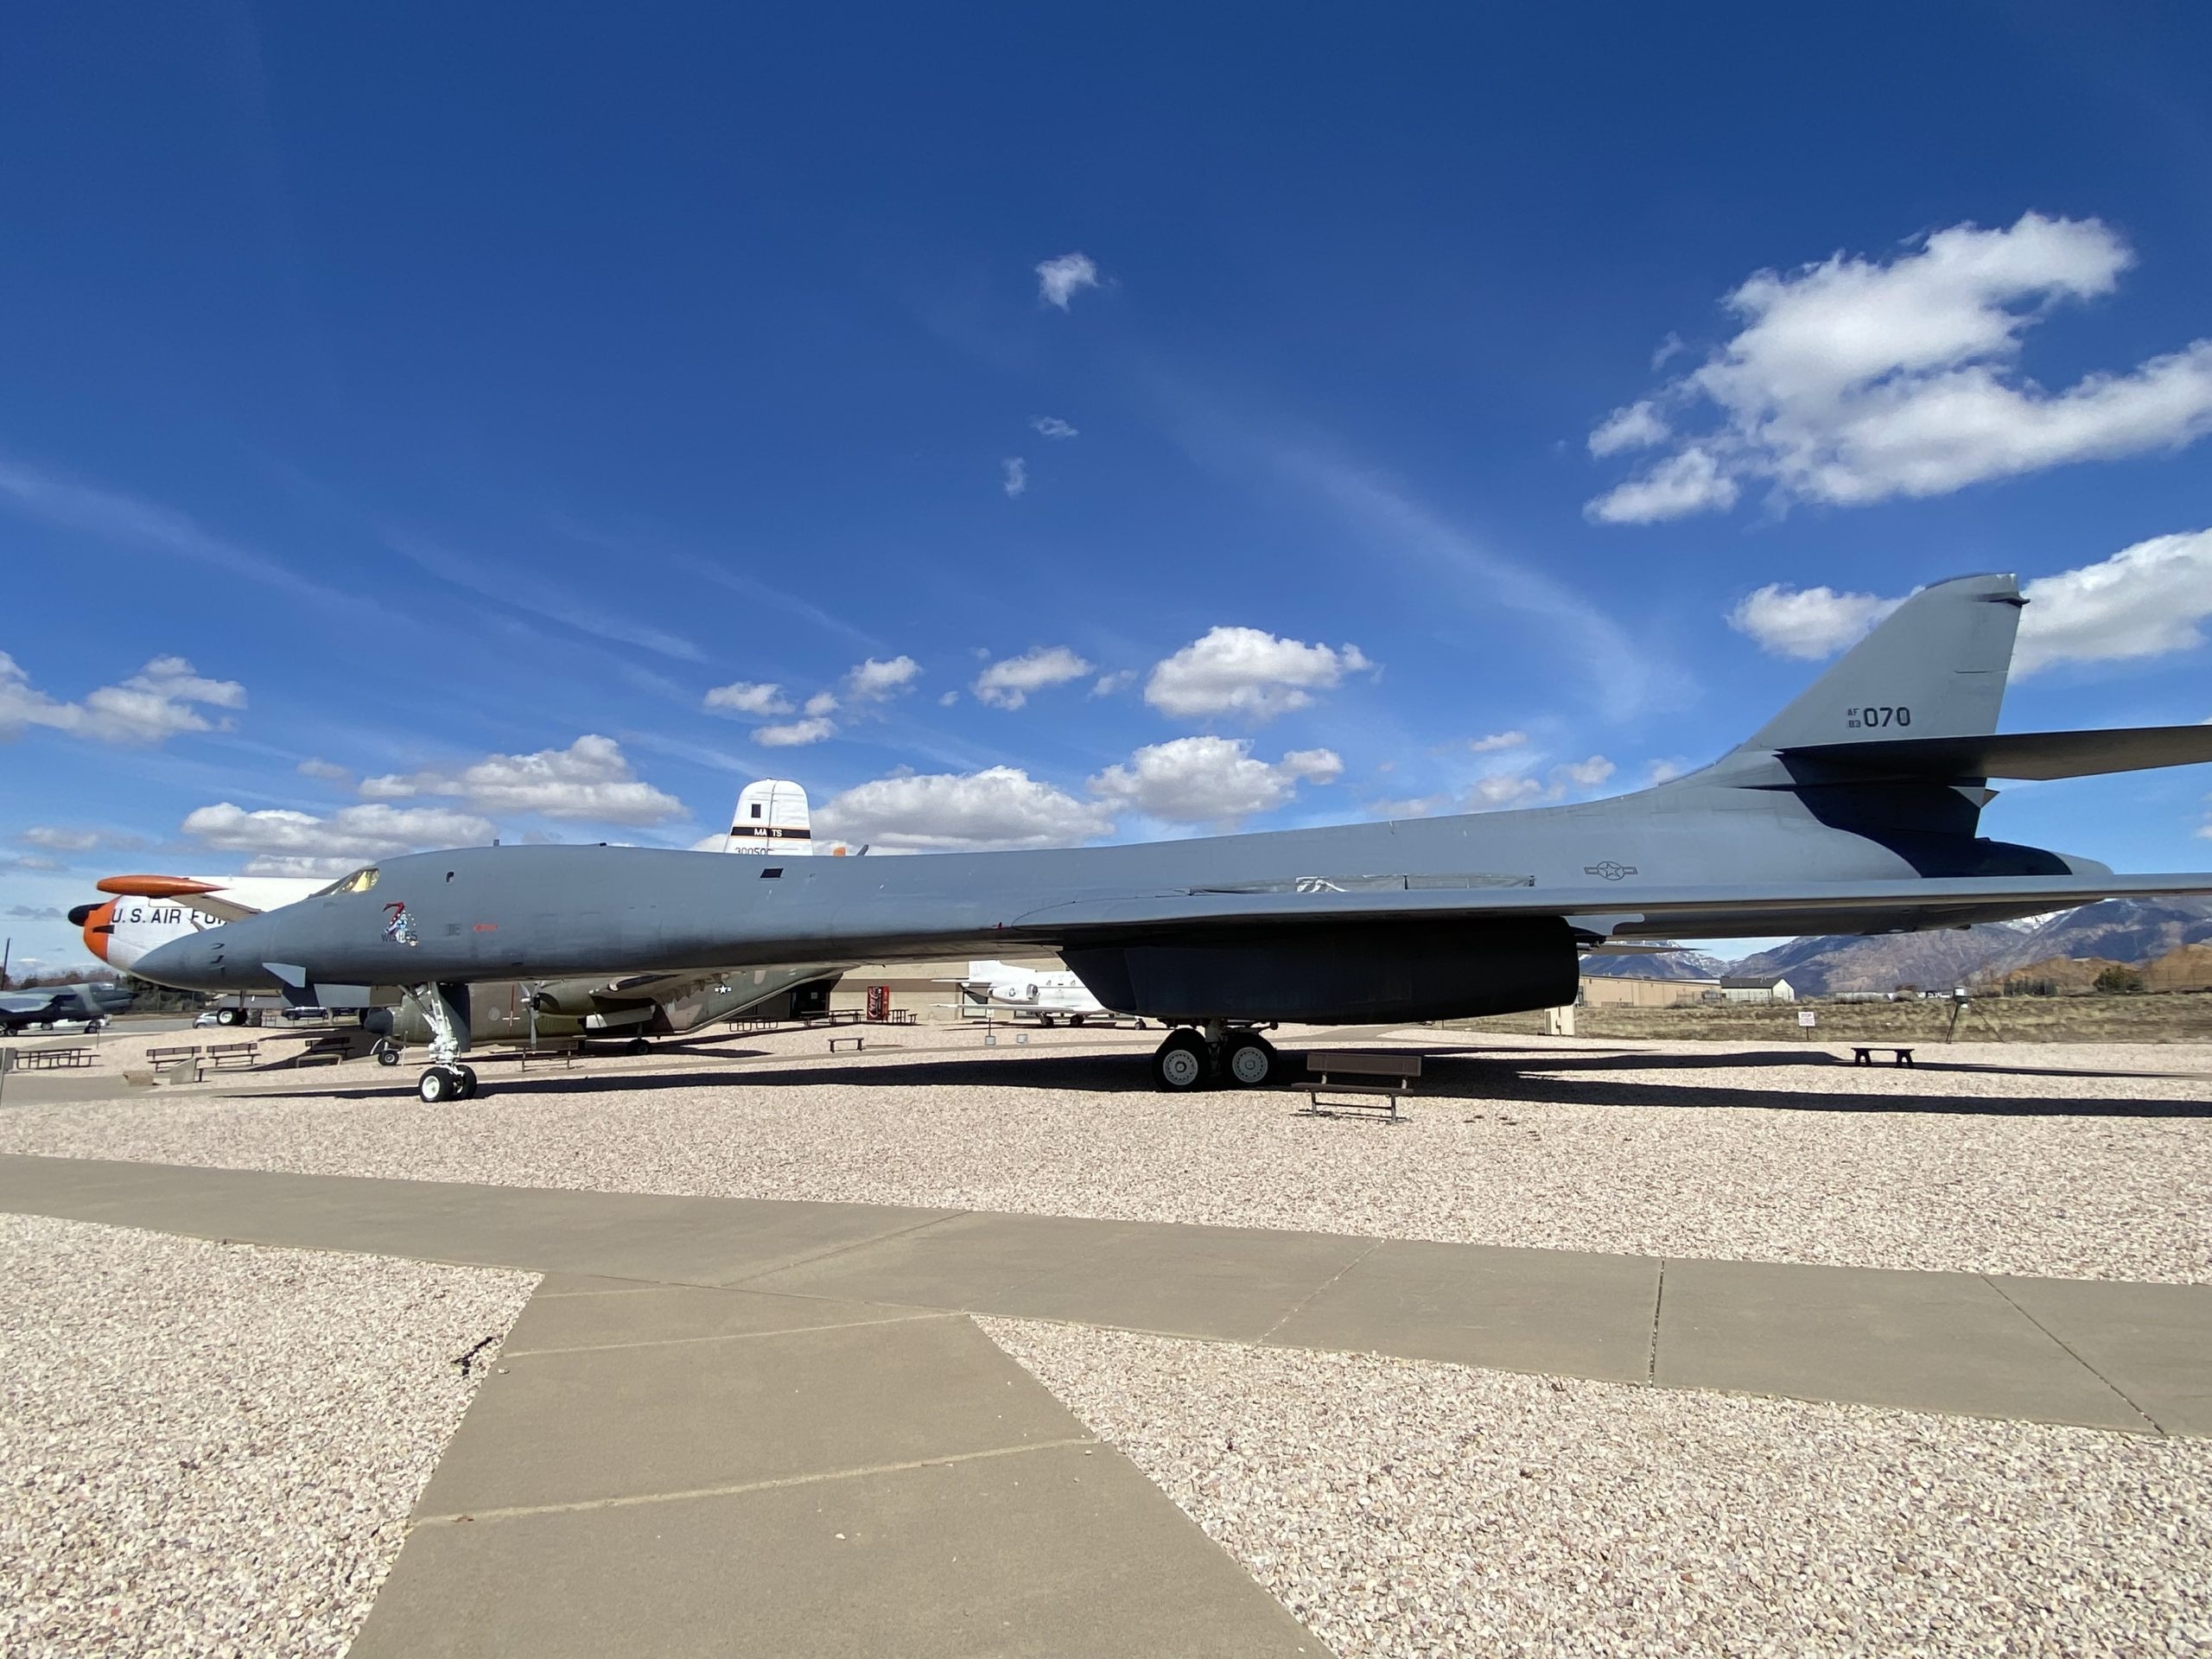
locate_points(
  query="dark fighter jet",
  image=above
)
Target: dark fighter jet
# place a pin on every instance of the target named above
(1852, 810)
(48, 1006)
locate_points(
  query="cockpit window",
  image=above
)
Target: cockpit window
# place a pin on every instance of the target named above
(360, 881)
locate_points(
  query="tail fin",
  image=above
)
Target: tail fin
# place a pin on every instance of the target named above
(770, 817)
(1935, 667)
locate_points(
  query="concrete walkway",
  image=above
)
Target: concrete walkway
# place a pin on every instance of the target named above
(2129, 1357)
(733, 1427)
(680, 1471)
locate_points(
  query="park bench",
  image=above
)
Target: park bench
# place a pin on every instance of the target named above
(556, 1053)
(1375, 1082)
(233, 1057)
(859, 1043)
(170, 1056)
(48, 1059)
(1866, 1056)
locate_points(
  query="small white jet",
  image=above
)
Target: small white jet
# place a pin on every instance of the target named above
(1047, 995)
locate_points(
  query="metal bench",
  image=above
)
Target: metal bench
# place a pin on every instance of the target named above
(553, 1053)
(1866, 1056)
(233, 1057)
(48, 1059)
(860, 1044)
(1375, 1082)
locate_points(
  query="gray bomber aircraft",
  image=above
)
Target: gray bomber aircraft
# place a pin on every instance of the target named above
(1854, 810)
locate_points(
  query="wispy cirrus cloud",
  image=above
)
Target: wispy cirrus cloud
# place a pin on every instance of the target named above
(129, 520)
(524, 590)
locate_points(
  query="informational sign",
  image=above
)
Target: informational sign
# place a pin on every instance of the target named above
(1805, 1018)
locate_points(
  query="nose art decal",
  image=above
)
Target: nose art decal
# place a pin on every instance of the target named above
(400, 929)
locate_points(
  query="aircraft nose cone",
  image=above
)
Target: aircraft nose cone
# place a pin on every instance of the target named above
(191, 964)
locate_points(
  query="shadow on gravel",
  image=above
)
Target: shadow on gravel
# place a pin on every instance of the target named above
(1506, 1077)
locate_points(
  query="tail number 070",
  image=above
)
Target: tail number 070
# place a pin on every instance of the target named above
(1868, 719)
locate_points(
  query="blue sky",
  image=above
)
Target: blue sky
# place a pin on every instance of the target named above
(448, 389)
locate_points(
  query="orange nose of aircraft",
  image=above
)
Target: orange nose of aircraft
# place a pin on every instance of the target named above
(98, 923)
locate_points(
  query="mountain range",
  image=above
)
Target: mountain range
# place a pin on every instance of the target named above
(2119, 930)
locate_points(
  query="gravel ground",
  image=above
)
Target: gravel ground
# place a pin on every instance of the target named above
(212, 1449)
(1402, 1508)
(2045, 1160)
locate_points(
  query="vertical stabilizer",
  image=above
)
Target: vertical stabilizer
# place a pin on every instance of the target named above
(1935, 667)
(770, 817)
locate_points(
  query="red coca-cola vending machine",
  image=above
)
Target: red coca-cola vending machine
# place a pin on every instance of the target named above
(879, 1004)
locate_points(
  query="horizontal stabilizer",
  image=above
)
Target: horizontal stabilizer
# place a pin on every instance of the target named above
(2018, 755)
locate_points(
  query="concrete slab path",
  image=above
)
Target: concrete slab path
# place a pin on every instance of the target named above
(2104, 1355)
(680, 1471)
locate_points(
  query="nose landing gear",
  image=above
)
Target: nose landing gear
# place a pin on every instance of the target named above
(446, 1009)
(1241, 1058)
(443, 1083)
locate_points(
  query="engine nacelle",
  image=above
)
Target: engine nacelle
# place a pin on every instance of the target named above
(1340, 974)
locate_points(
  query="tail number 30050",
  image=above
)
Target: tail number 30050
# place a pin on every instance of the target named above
(1868, 719)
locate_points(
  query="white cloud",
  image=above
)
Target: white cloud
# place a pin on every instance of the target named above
(821, 703)
(1692, 481)
(1016, 472)
(1247, 671)
(1052, 426)
(1211, 780)
(999, 807)
(1108, 685)
(58, 839)
(1855, 380)
(872, 681)
(947, 699)
(300, 844)
(326, 771)
(1808, 623)
(1585, 774)
(1008, 684)
(590, 780)
(795, 734)
(757, 698)
(1497, 740)
(2149, 600)
(163, 700)
(1058, 279)
(1660, 772)
(1636, 427)
(2145, 601)
(1419, 806)
(1503, 791)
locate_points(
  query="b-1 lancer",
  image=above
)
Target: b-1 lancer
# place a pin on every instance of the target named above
(1853, 811)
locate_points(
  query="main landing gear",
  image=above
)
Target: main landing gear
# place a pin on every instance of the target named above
(1238, 1059)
